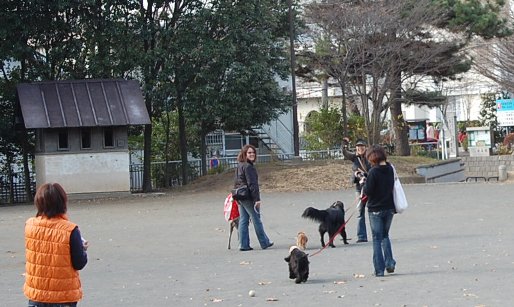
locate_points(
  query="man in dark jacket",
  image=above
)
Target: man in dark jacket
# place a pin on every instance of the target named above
(360, 168)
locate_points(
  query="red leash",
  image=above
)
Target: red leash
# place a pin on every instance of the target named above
(334, 236)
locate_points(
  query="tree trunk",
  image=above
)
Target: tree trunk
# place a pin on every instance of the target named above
(167, 128)
(344, 109)
(324, 94)
(203, 150)
(26, 169)
(401, 130)
(182, 139)
(10, 175)
(147, 159)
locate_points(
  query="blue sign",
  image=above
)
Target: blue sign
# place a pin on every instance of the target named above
(505, 105)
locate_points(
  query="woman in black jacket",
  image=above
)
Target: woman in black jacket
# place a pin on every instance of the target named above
(246, 174)
(379, 188)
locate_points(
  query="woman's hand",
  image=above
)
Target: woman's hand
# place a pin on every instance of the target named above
(257, 206)
(85, 244)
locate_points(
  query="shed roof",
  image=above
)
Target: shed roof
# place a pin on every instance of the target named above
(82, 103)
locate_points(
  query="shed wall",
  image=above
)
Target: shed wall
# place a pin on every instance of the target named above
(85, 172)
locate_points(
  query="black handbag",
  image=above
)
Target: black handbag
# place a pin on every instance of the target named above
(241, 193)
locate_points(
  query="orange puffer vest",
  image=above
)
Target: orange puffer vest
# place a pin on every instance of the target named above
(50, 276)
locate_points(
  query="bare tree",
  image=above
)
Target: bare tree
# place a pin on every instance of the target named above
(376, 45)
(495, 60)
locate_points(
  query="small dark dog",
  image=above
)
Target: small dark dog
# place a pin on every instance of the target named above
(330, 221)
(298, 264)
(234, 224)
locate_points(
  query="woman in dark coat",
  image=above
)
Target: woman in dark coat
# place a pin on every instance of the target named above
(379, 188)
(246, 174)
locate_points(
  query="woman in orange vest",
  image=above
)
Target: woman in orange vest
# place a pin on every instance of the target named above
(54, 252)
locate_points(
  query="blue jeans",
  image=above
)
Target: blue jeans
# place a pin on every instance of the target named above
(37, 304)
(362, 235)
(380, 223)
(247, 212)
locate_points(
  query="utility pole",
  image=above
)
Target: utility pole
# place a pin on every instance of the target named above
(296, 137)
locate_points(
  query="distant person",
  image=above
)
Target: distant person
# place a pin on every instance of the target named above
(246, 174)
(215, 162)
(360, 167)
(430, 131)
(54, 252)
(462, 137)
(378, 186)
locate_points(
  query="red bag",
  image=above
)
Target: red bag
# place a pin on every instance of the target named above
(230, 208)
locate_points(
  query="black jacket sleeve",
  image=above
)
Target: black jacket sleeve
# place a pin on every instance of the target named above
(78, 254)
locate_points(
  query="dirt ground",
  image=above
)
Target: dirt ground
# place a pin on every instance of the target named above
(326, 175)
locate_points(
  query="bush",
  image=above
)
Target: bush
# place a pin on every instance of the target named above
(216, 170)
(508, 140)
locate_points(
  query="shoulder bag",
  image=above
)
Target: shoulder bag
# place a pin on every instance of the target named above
(400, 200)
(241, 192)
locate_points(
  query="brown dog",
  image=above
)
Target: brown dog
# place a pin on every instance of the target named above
(301, 240)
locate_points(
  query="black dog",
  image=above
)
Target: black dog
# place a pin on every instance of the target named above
(298, 265)
(330, 221)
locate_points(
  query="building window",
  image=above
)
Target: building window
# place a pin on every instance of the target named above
(234, 141)
(85, 139)
(108, 137)
(63, 140)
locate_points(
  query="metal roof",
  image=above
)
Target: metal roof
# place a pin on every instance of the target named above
(82, 103)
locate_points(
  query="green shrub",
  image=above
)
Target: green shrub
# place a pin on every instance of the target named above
(216, 170)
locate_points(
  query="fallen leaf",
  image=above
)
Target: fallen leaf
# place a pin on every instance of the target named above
(244, 262)
(216, 300)
(339, 282)
(263, 283)
(272, 299)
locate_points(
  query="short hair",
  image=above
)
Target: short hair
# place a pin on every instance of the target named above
(376, 154)
(50, 200)
(241, 157)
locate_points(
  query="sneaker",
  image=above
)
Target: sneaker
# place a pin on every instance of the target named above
(378, 275)
(361, 241)
(390, 270)
(269, 245)
(246, 249)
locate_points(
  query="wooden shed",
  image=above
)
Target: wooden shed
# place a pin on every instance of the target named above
(82, 131)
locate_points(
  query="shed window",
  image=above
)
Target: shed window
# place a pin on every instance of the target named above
(63, 140)
(108, 137)
(85, 139)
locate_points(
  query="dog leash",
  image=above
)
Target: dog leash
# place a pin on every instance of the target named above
(334, 236)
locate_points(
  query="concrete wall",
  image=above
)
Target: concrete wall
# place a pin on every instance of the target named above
(90, 172)
(445, 171)
(487, 166)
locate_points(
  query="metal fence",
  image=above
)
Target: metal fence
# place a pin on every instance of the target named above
(15, 192)
(174, 174)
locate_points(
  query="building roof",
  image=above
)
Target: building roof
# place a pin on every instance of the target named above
(82, 103)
